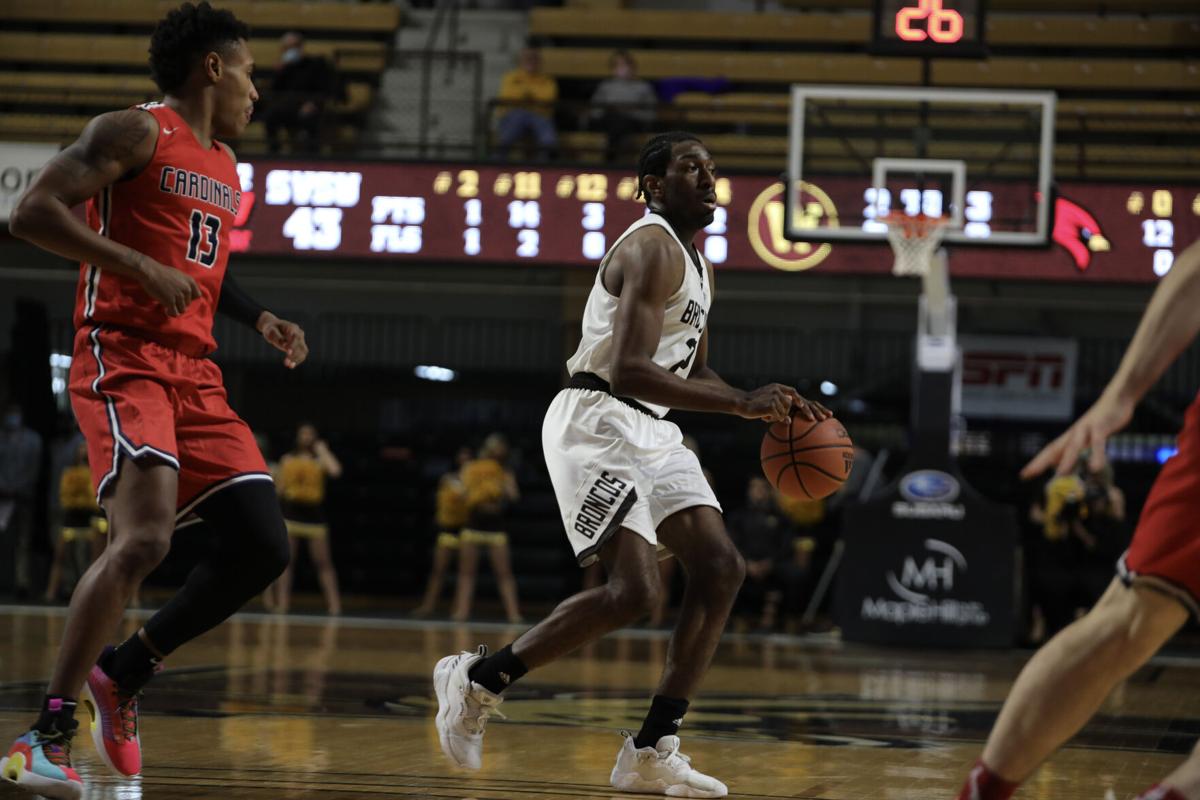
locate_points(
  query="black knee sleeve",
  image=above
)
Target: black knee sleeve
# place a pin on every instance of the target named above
(249, 550)
(248, 527)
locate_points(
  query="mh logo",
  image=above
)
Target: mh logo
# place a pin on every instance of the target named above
(934, 574)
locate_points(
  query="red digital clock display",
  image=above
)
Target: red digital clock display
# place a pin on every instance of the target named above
(929, 27)
(460, 213)
(929, 21)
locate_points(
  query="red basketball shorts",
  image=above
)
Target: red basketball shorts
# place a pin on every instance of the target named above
(137, 399)
(1165, 551)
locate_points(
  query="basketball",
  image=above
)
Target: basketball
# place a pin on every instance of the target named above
(807, 460)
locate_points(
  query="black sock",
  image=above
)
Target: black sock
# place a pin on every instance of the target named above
(498, 671)
(664, 718)
(131, 664)
(58, 713)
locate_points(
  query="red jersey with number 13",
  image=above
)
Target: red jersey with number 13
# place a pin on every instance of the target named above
(179, 211)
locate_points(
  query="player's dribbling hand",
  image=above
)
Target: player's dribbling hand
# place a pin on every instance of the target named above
(1090, 432)
(287, 337)
(776, 403)
(810, 410)
(174, 289)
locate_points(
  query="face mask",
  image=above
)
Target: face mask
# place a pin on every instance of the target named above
(12, 421)
(291, 54)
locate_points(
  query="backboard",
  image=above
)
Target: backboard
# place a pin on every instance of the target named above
(982, 158)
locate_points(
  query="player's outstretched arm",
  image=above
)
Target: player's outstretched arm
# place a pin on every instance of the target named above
(651, 272)
(1169, 324)
(111, 147)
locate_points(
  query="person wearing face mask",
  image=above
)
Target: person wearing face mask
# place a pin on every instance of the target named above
(20, 464)
(302, 88)
(623, 104)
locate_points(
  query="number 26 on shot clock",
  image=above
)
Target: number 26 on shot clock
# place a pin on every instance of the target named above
(929, 27)
(929, 20)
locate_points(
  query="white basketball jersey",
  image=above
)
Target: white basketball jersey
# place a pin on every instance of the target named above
(683, 322)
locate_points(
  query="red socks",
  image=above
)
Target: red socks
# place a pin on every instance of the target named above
(1160, 792)
(983, 784)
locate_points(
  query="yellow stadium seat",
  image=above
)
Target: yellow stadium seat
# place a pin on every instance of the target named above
(269, 14)
(1038, 30)
(585, 62)
(1091, 31)
(1074, 73)
(131, 51)
(700, 25)
(69, 88)
(42, 127)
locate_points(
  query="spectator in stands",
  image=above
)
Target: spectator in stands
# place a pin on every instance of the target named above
(1083, 533)
(20, 464)
(83, 524)
(302, 88)
(526, 103)
(302, 474)
(766, 539)
(451, 516)
(623, 105)
(491, 491)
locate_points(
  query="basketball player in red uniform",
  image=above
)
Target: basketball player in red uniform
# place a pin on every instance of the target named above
(1158, 582)
(162, 194)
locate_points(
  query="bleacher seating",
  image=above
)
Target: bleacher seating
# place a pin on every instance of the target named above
(1136, 77)
(261, 14)
(825, 29)
(62, 62)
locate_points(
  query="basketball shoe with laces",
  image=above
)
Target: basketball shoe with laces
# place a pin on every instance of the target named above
(661, 769)
(41, 763)
(463, 708)
(114, 721)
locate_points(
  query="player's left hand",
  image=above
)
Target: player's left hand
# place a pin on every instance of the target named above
(287, 337)
(808, 409)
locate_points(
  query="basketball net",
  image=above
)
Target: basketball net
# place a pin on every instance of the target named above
(915, 241)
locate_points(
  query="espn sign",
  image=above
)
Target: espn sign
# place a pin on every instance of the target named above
(1018, 377)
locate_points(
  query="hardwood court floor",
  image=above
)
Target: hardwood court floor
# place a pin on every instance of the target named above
(266, 708)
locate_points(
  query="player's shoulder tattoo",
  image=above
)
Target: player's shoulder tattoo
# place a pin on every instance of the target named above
(117, 136)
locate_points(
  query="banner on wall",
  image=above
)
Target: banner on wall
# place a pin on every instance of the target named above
(1018, 377)
(563, 216)
(928, 561)
(19, 163)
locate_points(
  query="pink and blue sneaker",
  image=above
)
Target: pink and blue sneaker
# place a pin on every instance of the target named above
(41, 763)
(114, 721)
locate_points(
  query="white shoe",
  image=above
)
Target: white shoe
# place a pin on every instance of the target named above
(463, 708)
(661, 770)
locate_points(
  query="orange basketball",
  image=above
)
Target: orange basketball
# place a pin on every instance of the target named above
(807, 460)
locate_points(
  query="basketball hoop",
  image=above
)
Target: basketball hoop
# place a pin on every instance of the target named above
(914, 240)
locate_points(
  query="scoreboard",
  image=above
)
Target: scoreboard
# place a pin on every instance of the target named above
(423, 213)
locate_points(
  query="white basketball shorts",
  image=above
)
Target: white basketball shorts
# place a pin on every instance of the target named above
(613, 466)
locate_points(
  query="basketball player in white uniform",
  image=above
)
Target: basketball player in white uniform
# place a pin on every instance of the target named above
(627, 487)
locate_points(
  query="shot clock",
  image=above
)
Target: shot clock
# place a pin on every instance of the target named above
(935, 28)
